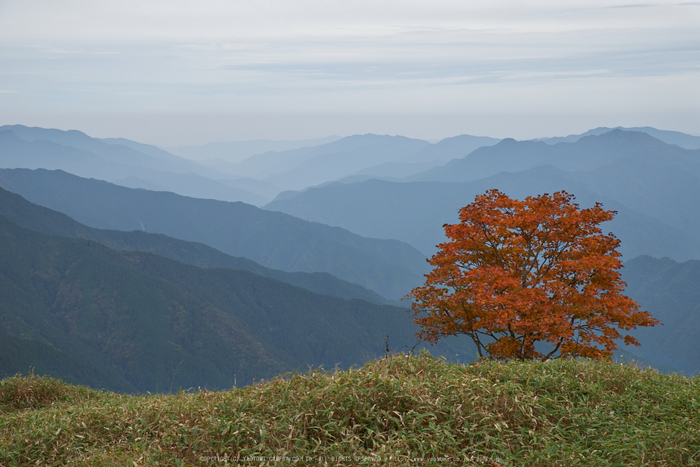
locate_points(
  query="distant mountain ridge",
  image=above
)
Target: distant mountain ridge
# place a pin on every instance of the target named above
(254, 180)
(116, 151)
(682, 140)
(654, 186)
(587, 153)
(308, 166)
(235, 151)
(131, 163)
(349, 155)
(430, 156)
(44, 220)
(279, 241)
(355, 156)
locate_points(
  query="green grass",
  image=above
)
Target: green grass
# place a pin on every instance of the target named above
(390, 412)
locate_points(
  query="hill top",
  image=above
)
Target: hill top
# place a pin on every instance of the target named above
(400, 410)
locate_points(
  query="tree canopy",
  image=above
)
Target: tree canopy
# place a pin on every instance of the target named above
(515, 273)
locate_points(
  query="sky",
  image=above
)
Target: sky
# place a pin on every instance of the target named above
(174, 72)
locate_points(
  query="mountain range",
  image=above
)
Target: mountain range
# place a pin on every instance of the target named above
(654, 187)
(677, 138)
(108, 283)
(44, 220)
(136, 321)
(130, 320)
(253, 179)
(231, 152)
(115, 160)
(275, 240)
(356, 156)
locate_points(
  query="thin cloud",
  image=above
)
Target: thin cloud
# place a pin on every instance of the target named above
(363, 56)
(637, 5)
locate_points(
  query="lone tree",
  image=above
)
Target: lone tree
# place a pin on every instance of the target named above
(515, 273)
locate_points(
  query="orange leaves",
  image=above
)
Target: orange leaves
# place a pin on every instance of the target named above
(515, 273)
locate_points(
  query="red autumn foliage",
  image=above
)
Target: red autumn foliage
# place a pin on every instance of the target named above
(515, 273)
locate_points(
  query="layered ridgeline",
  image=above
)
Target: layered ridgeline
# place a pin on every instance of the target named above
(654, 186)
(119, 160)
(29, 215)
(360, 156)
(127, 321)
(134, 321)
(256, 179)
(669, 290)
(275, 240)
(682, 140)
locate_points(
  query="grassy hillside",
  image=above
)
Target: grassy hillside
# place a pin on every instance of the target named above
(398, 411)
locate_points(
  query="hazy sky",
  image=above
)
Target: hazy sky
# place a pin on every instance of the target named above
(178, 72)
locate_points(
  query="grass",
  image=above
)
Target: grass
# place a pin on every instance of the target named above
(401, 410)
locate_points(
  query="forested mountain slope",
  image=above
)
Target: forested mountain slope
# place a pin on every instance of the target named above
(41, 219)
(275, 240)
(671, 292)
(138, 321)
